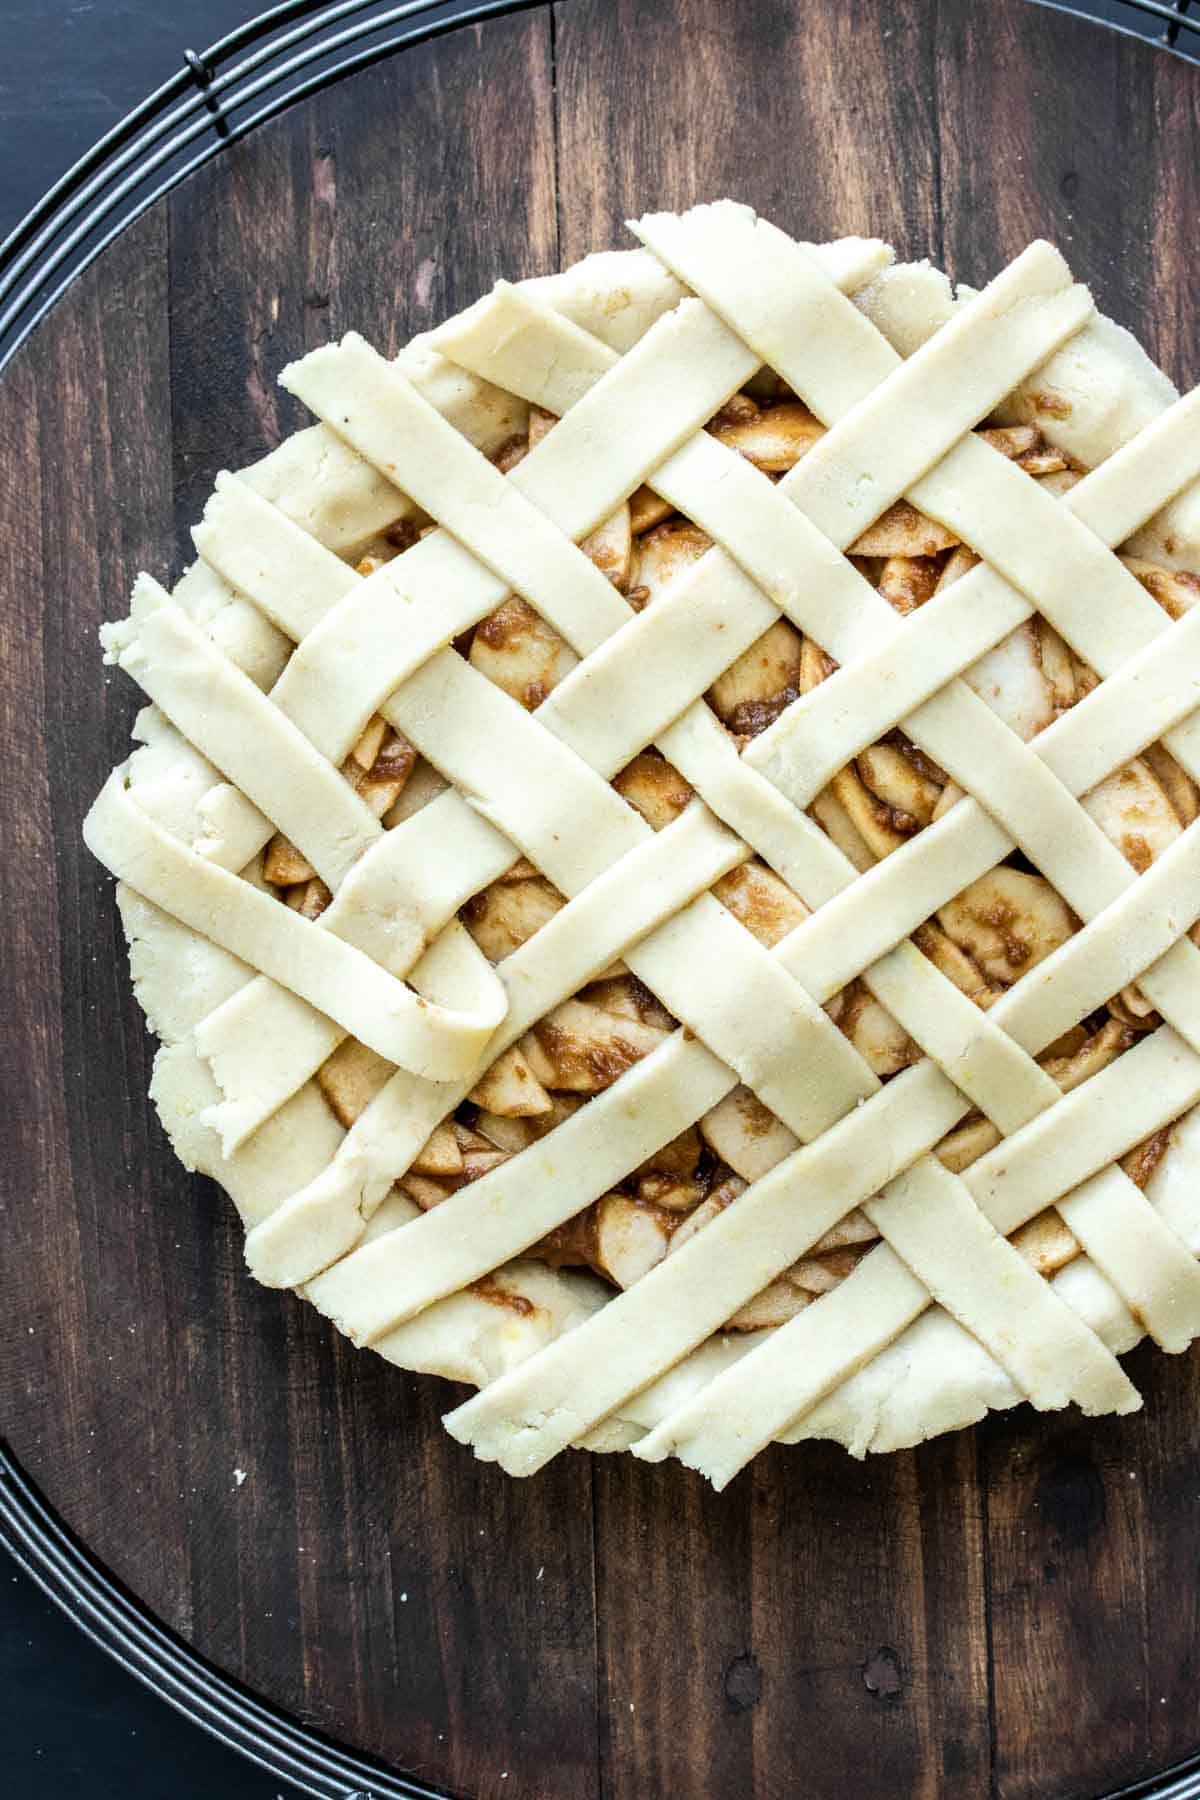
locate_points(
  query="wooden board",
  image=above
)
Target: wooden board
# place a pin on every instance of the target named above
(1011, 1611)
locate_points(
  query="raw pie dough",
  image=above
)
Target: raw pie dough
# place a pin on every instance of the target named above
(664, 843)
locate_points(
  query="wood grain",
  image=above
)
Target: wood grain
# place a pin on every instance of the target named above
(1012, 1612)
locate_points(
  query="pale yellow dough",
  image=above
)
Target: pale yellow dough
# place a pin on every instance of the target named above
(272, 655)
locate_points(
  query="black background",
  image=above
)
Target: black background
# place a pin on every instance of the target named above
(72, 1722)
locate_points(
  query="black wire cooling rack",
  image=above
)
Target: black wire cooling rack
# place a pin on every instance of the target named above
(215, 97)
(220, 94)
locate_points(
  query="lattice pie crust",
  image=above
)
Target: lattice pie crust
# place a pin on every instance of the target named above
(664, 844)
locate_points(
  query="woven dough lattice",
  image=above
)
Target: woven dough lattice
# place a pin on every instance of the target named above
(664, 843)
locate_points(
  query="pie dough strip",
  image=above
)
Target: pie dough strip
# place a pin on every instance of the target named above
(615, 914)
(505, 766)
(259, 1066)
(367, 1297)
(783, 1383)
(608, 917)
(860, 702)
(469, 711)
(794, 845)
(751, 1013)
(723, 1426)
(1147, 700)
(242, 734)
(378, 633)
(331, 975)
(1155, 1274)
(1033, 1167)
(985, 1063)
(935, 1376)
(354, 655)
(278, 570)
(489, 472)
(600, 451)
(923, 965)
(626, 693)
(826, 728)
(1069, 839)
(232, 830)
(325, 1219)
(264, 1043)
(220, 823)
(444, 1250)
(527, 1416)
(332, 494)
(617, 294)
(320, 484)
(511, 318)
(772, 295)
(1141, 926)
(754, 258)
(1015, 787)
(912, 659)
(930, 1219)
(1125, 492)
(290, 1016)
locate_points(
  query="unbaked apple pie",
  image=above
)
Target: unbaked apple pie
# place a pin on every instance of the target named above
(663, 850)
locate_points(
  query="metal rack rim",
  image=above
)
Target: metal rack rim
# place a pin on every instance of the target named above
(200, 90)
(211, 86)
(198, 108)
(175, 86)
(91, 1597)
(1174, 15)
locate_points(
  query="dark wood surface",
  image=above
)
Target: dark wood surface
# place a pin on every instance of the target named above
(1012, 1611)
